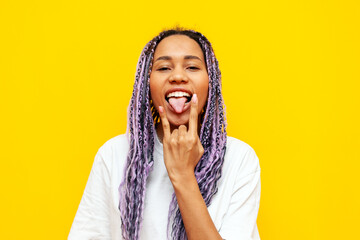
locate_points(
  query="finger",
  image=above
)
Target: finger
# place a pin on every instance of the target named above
(182, 130)
(175, 134)
(174, 137)
(182, 133)
(164, 122)
(193, 121)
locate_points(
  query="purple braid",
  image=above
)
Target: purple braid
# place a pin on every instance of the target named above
(142, 117)
(139, 163)
(212, 137)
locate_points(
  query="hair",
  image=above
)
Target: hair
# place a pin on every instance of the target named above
(142, 117)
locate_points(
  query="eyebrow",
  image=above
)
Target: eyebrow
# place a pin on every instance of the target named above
(185, 57)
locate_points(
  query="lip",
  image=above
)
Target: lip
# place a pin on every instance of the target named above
(176, 89)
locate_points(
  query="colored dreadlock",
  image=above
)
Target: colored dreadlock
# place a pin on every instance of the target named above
(142, 117)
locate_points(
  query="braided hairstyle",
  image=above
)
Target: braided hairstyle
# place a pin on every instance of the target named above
(142, 117)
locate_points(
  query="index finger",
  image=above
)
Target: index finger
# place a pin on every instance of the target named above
(193, 120)
(164, 122)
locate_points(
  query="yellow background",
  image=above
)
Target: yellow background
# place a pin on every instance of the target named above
(290, 81)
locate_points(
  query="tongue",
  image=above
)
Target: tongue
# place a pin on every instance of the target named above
(178, 103)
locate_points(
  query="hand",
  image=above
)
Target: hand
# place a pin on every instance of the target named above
(182, 147)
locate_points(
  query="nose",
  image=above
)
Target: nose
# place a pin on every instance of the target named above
(178, 76)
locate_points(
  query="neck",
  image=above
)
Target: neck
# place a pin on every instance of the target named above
(160, 131)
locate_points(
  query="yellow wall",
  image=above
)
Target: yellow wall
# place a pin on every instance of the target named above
(290, 81)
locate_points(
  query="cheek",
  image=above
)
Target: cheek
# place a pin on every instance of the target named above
(154, 92)
(204, 92)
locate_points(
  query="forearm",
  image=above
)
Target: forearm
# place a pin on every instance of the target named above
(196, 218)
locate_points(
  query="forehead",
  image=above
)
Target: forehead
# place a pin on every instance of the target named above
(177, 46)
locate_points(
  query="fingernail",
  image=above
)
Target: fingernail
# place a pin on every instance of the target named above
(194, 98)
(161, 109)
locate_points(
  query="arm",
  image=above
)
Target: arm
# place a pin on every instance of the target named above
(239, 222)
(182, 151)
(195, 215)
(92, 217)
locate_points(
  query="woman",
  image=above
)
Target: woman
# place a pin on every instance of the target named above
(176, 175)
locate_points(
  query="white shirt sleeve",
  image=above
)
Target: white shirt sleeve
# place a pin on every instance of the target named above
(92, 219)
(240, 220)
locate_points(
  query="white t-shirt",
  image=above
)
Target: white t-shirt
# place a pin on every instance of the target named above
(234, 207)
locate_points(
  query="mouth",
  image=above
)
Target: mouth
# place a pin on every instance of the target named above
(178, 99)
(178, 94)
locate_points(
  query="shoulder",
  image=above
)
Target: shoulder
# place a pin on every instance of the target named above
(115, 144)
(237, 145)
(114, 151)
(241, 157)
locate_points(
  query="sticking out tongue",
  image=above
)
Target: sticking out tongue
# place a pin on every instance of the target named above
(178, 103)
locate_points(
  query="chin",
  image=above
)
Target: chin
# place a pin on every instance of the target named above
(179, 121)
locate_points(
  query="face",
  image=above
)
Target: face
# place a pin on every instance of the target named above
(178, 71)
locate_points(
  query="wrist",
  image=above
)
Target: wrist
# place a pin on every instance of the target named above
(182, 179)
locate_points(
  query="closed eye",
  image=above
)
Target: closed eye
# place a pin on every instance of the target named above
(193, 68)
(163, 69)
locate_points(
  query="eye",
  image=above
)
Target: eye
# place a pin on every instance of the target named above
(163, 69)
(193, 68)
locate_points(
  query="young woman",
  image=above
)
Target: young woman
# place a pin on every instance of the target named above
(175, 174)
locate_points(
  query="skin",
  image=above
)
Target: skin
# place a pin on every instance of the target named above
(179, 132)
(178, 63)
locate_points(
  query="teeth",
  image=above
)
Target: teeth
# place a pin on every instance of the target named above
(178, 94)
